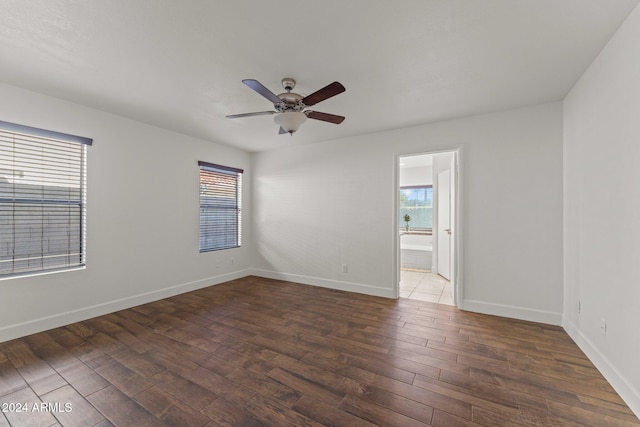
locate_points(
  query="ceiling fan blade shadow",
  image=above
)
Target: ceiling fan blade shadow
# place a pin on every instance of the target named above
(259, 113)
(326, 92)
(262, 90)
(282, 131)
(325, 117)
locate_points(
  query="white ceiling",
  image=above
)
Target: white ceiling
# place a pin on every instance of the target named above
(178, 64)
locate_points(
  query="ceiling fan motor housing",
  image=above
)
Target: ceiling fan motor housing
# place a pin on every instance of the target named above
(290, 102)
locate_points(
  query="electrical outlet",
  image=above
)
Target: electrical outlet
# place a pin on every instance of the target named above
(603, 326)
(345, 268)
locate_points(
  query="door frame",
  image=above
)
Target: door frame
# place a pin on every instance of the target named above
(457, 264)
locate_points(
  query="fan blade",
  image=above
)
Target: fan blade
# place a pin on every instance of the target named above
(325, 117)
(259, 87)
(326, 92)
(259, 113)
(282, 131)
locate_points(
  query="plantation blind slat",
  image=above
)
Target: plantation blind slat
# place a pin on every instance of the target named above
(42, 200)
(220, 207)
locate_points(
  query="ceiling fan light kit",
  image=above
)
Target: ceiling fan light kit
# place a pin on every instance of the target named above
(290, 106)
(290, 121)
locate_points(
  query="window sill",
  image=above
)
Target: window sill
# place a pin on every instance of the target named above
(41, 273)
(417, 232)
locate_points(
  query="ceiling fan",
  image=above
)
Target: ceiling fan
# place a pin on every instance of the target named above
(290, 107)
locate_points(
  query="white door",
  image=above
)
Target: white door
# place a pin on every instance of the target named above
(444, 223)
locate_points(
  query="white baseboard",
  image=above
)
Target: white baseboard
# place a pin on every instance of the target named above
(326, 283)
(626, 390)
(513, 312)
(61, 319)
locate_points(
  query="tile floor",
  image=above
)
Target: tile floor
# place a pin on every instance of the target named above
(425, 286)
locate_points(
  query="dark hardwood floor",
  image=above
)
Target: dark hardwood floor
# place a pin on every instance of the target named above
(260, 352)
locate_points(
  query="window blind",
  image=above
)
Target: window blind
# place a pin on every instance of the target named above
(42, 199)
(220, 207)
(417, 202)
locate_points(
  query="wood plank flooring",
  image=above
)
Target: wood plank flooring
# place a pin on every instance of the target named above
(260, 352)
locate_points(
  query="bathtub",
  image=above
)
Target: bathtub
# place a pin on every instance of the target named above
(416, 251)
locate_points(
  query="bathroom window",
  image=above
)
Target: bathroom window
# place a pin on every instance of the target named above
(417, 202)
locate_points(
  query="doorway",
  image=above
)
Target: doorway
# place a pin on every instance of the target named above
(427, 218)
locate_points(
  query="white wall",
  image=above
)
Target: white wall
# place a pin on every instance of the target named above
(142, 218)
(419, 175)
(319, 206)
(602, 211)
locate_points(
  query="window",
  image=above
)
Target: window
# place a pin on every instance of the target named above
(220, 207)
(417, 202)
(42, 200)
